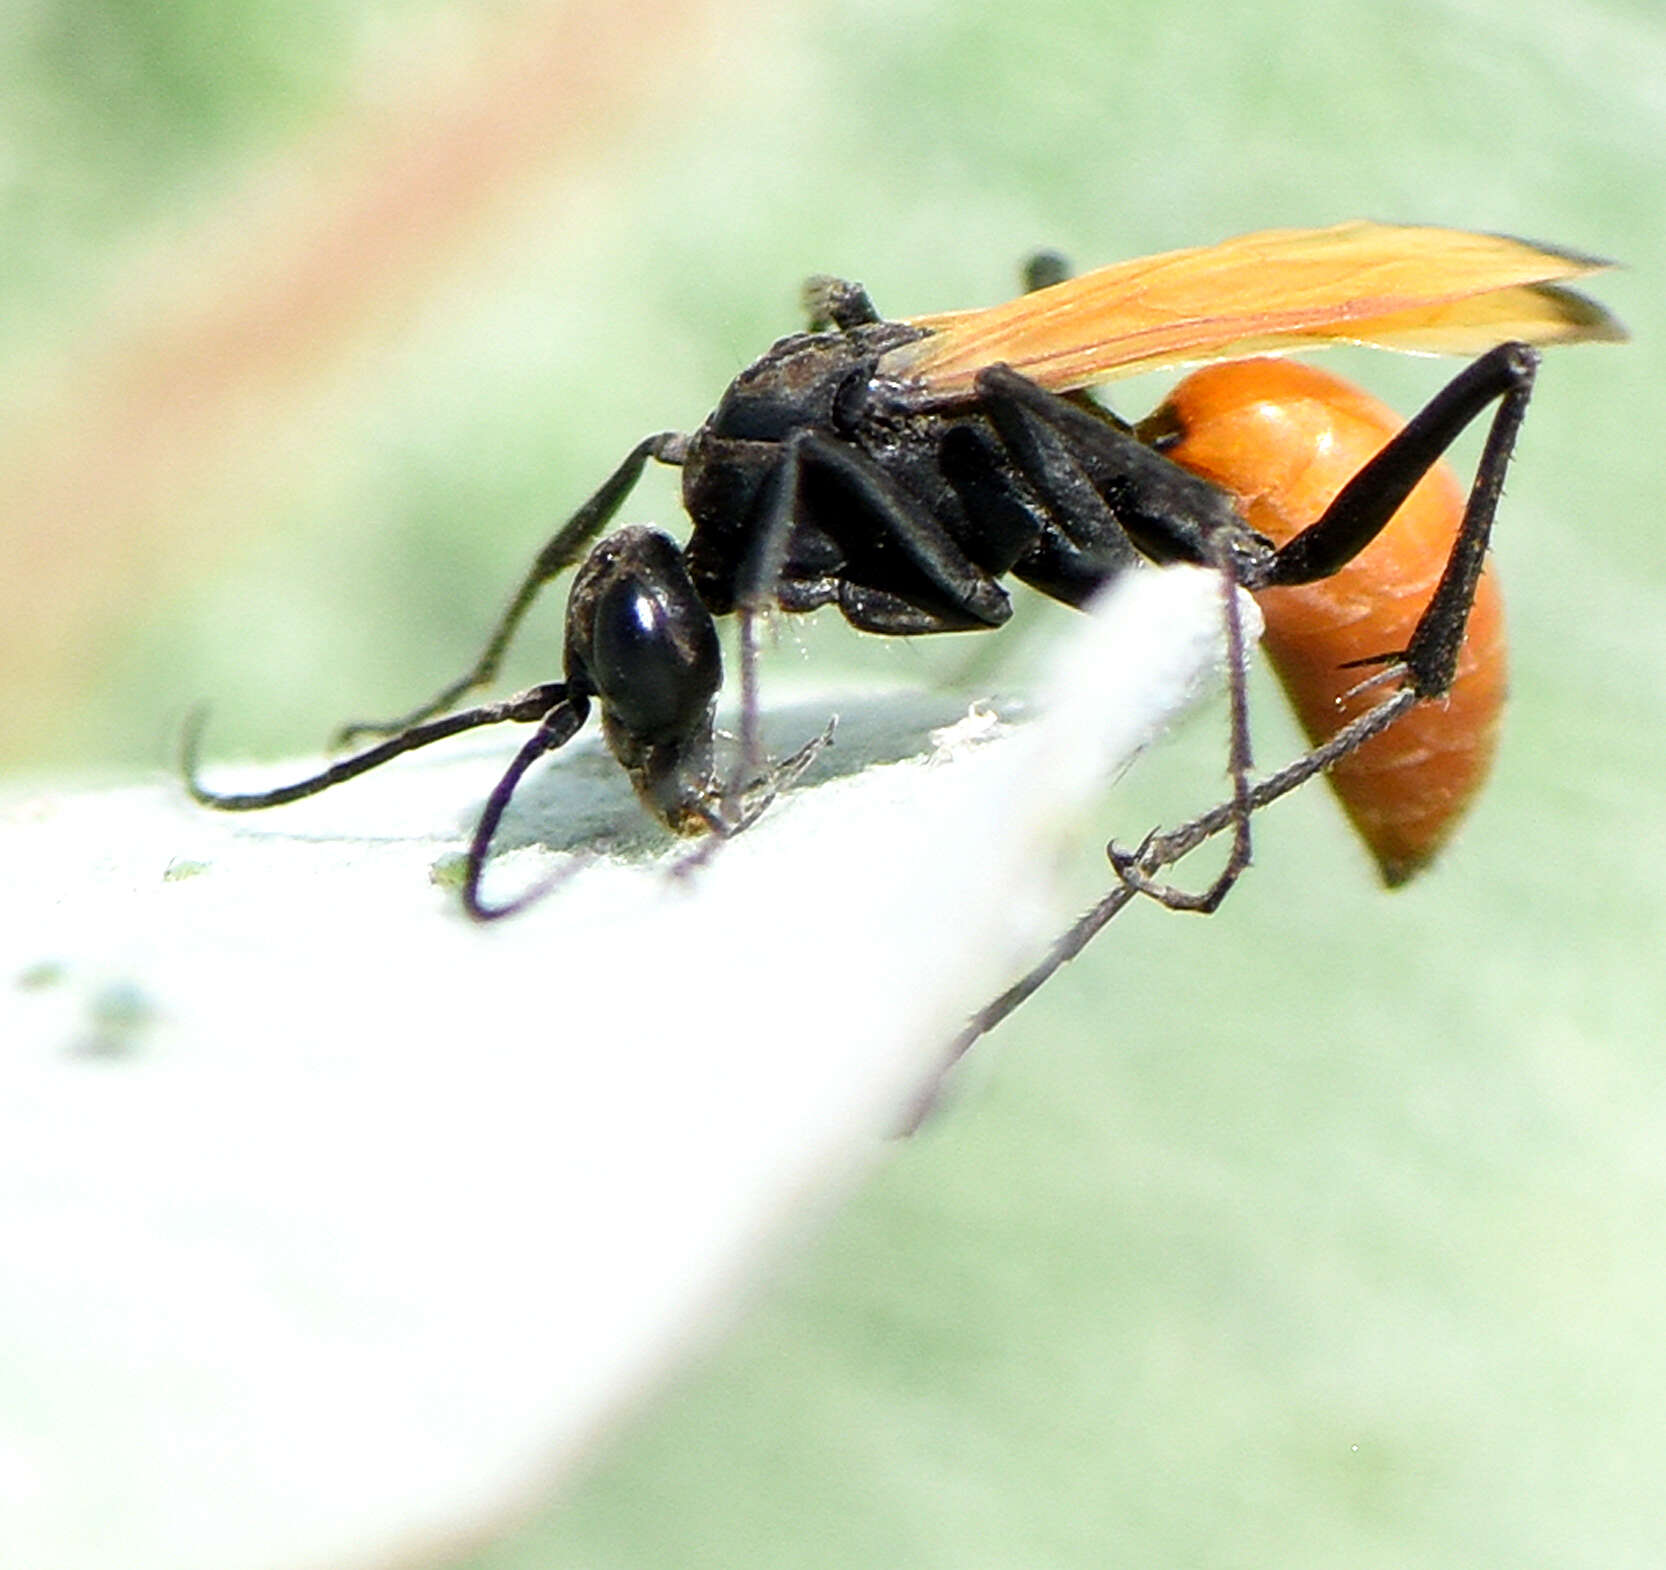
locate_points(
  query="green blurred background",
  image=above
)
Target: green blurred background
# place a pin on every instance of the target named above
(1325, 1232)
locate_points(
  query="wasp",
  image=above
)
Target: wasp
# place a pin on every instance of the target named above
(903, 470)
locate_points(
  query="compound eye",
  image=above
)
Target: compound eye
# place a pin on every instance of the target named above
(654, 657)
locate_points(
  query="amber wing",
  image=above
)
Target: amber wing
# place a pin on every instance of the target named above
(1279, 291)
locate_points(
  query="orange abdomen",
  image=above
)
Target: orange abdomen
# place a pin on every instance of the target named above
(1283, 439)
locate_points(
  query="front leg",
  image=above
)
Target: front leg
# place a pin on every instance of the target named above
(564, 550)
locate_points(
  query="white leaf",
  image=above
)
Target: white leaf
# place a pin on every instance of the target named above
(333, 1226)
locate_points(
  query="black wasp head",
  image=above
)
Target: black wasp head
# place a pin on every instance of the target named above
(640, 640)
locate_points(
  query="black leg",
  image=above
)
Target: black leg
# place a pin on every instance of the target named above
(1425, 668)
(1365, 504)
(1103, 487)
(755, 594)
(969, 596)
(873, 512)
(955, 593)
(562, 552)
(560, 723)
(1159, 849)
(1035, 498)
(1431, 657)
(524, 707)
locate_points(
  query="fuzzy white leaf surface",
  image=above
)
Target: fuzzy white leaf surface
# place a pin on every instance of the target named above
(333, 1227)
